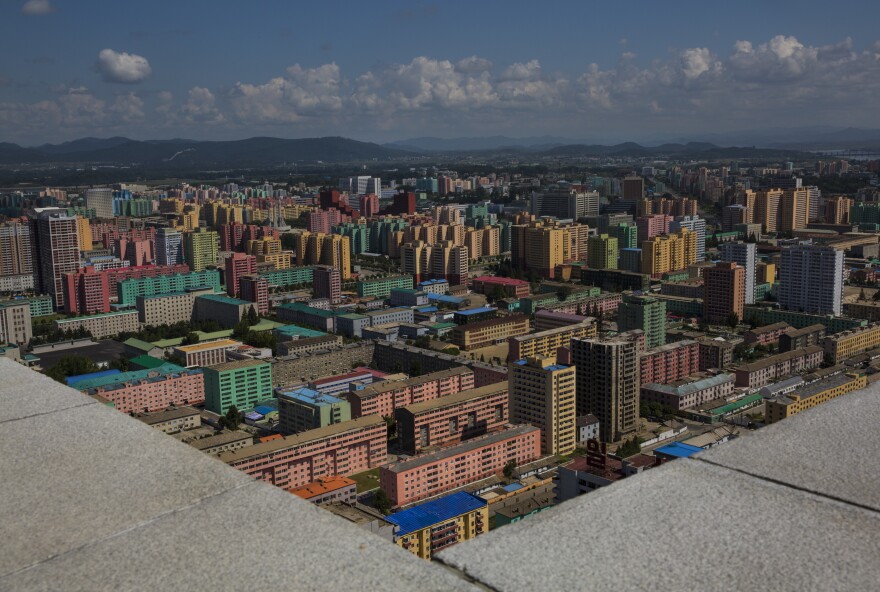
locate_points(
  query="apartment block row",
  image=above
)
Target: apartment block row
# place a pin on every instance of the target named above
(147, 390)
(384, 398)
(772, 368)
(548, 342)
(669, 362)
(489, 332)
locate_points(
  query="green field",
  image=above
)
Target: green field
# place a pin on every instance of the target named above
(367, 480)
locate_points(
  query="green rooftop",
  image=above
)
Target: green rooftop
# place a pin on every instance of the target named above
(146, 362)
(139, 344)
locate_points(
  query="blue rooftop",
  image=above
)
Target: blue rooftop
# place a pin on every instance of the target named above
(72, 380)
(513, 487)
(473, 311)
(264, 409)
(445, 298)
(435, 511)
(432, 282)
(310, 397)
(678, 450)
(427, 309)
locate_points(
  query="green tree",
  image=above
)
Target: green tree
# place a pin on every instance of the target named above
(509, 468)
(190, 338)
(733, 320)
(415, 369)
(630, 447)
(232, 419)
(120, 364)
(72, 365)
(252, 317)
(382, 502)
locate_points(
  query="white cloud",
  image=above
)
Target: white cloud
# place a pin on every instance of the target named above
(122, 67)
(128, 108)
(697, 61)
(37, 7)
(473, 65)
(200, 107)
(299, 93)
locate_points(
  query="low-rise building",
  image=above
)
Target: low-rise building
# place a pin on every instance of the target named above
(102, 325)
(209, 353)
(764, 371)
(382, 399)
(843, 345)
(408, 297)
(503, 286)
(390, 315)
(767, 334)
(225, 310)
(451, 419)
(436, 525)
(489, 332)
(339, 449)
(587, 428)
(15, 322)
(227, 441)
(147, 390)
(167, 309)
(428, 475)
(588, 473)
(305, 409)
(684, 395)
(669, 362)
(549, 319)
(434, 286)
(172, 421)
(715, 352)
(352, 324)
(305, 345)
(804, 337)
(327, 490)
(381, 287)
(812, 395)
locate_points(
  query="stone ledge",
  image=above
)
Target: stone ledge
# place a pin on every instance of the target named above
(94, 500)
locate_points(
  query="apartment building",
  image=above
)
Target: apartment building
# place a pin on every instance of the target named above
(382, 399)
(242, 383)
(339, 449)
(209, 353)
(843, 345)
(548, 342)
(669, 362)
(381, 287)
(328, 490)
(130, 288)
(689, 394)
(489, 332)
(15, 322)
(795, 338)
(148, 390)
(172, 421)
(102, 325)
(305, 409)
(813, 394)
(453, 418)
(549, 319)
(428, 475)
(767, 334)
(86, 292)
(509, 287)
(773, 368)
(542, 393)
(436, 525)
(169, 308)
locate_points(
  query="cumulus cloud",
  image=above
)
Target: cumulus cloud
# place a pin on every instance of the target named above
(780, 59)
(301, 92)
(122, 67)
(200, 107)
(37, 7)
(473, 65)
(697, 61)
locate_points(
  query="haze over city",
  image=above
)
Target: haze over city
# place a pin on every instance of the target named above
(596, 72)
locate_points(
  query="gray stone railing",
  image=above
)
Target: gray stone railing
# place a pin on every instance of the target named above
(93, 500)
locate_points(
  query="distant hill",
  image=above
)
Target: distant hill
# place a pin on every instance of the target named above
(690, 150)
(191, 153)
(433, 144)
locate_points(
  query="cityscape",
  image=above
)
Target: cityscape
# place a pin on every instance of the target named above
(406, 316)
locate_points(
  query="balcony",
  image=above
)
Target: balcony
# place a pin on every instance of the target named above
(93, 500)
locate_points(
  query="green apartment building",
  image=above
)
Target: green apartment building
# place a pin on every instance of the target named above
(381, 287)
(128, 290)
(627, 235)
(242, 383)
(293, 276)
(39, 305)
(306, 409)
(602, 252)
(645, 313)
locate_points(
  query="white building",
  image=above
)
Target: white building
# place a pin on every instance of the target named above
(811, 279)
(698, 225)
(101, 199)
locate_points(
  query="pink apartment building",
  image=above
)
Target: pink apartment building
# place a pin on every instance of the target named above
(385, 397)
(323, 220)
(431, 474)
(654, 225)
(451, 419)
(155, 393)
(339, 449)
(669, 362)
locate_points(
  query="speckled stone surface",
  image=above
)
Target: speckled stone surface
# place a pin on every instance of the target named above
(832, 449)
(687, 525)
(92, 499)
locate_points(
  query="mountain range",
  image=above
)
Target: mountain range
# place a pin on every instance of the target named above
(180, 154)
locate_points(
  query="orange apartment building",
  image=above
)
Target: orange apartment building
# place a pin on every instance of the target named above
(340, 449)
(384, 397)
(451, 419)
(430, 474)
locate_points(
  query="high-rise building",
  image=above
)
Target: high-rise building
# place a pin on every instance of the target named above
(328, 283)
(100, 199)
(56, 252)
(633, 188)
(15, 322)
(645, 313)
(255, 288)
(724, 290)
(811, 279)
(86, 292)
(544, 249)
(336, 252)
(627, 234)
(236, 266)
(15, 248)
(169, 247)
(608, 384)
(766, 210)
(672, 252)
(653, 225)
(369, 205)
(84, 232)
(542, 393)
(602, 252)
(694, 224)
(200, 249)
(743, 254)
(564, 204)
(794, 210)
(837, 209)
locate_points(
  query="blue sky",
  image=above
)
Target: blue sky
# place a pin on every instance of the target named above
(391, 70)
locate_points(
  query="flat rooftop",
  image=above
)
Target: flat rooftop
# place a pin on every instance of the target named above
(219, 343)
(168, 415)
(374, 389)
(458, 398)
(220, 439)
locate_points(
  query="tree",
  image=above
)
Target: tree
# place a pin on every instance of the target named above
(509, 468)
(564, 292)
(382, 502)
(391, 424)
(252, 317)
(72, 365)
(232, 419)
(120, 364)
(733, 320)
(629, 447)
(862, 294)
(415, 369)
(190, 338)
